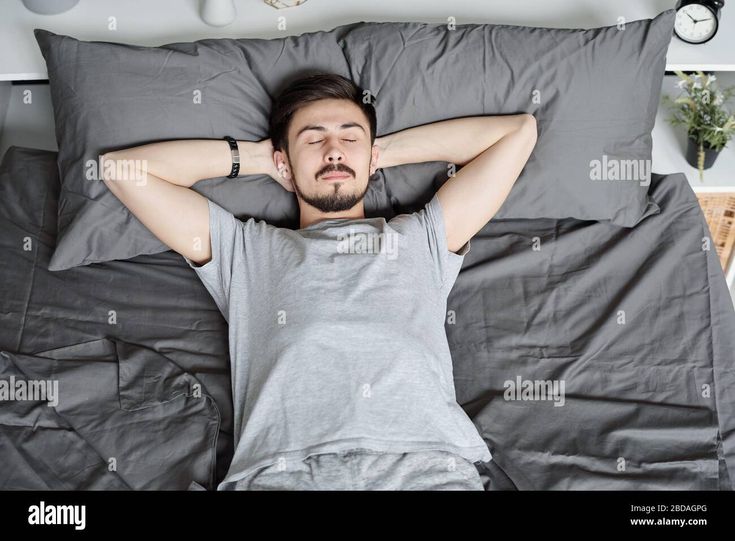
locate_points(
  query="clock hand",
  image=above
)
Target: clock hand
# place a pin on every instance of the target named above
(692, 18)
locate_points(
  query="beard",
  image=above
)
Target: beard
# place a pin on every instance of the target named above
(337, 200)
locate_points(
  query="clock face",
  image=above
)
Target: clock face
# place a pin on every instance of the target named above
(695, 23)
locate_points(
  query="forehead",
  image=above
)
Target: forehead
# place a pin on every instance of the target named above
(330, 113)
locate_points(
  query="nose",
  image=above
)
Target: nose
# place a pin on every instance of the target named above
(335, 158)
(334, 155)
(336, 162)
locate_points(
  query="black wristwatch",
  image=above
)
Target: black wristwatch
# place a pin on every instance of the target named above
(235, 156)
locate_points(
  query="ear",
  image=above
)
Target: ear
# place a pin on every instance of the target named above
(374, 159)
(282, 164)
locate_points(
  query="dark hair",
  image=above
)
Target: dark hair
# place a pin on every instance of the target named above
(311, 88)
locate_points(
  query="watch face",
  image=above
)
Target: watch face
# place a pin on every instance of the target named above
(695, 23)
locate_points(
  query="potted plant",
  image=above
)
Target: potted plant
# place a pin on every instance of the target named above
(699, 108)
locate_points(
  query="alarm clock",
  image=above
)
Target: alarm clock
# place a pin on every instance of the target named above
(697, 20)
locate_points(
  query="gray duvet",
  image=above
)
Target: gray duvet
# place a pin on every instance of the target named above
(631, 331)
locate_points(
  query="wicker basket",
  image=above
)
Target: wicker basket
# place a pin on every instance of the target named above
(719, 210)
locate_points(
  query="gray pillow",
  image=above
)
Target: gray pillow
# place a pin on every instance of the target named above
(594, 94)
(598, 93)
(108, 96)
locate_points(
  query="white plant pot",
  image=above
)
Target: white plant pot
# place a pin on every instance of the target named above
(218, 12)
(49, 7)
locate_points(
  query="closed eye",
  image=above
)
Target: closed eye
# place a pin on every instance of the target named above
(348, 140)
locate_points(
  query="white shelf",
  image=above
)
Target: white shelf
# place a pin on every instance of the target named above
(157, 22)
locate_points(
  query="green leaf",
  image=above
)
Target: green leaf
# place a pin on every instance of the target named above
(684, 76)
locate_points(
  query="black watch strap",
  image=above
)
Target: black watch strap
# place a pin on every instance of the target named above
(235, 156)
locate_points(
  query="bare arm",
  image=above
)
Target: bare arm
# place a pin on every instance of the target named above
(187, 161)
(153, 181)
(493, 151)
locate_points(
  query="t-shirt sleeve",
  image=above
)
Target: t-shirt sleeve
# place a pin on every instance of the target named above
(226, 235)
(429, 221)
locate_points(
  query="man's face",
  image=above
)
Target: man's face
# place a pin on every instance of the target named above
(329, 137)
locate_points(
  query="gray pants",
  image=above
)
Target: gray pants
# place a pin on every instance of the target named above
(364, 469)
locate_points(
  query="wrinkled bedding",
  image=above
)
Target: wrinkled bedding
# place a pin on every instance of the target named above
(633, 327)
(637, 323)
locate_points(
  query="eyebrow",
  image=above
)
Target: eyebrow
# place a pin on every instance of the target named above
(323, 129)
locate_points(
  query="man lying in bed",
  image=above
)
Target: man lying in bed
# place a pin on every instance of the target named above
(341, 370)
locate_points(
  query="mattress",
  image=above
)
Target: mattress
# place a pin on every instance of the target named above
(589, 356)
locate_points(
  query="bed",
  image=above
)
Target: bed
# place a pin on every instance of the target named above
(144, 349)
(590, 327)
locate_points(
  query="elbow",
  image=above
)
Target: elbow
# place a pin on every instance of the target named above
(529, 123)
(107, 173)
(530, 127)
(114, 169)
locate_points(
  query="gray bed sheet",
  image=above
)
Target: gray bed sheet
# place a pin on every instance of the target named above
(637, 325)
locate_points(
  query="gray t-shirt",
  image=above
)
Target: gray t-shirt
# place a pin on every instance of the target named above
(337, 337)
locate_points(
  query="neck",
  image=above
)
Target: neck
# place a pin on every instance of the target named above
(311, 215)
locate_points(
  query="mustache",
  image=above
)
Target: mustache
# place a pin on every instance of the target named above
(338, 168)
